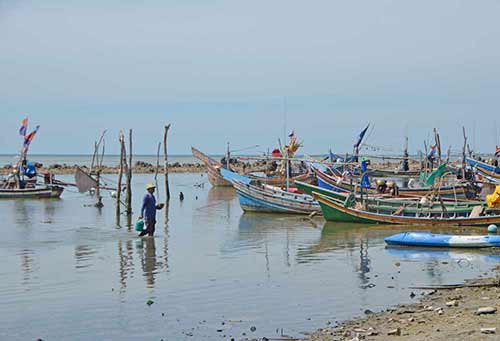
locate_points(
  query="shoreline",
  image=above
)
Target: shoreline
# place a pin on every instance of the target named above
(467, 311)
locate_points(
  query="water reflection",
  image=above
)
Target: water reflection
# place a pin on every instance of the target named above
(148, 260)
(126, 263)
(84, 256)
(428, 255)
(165, 237)
(27, 264)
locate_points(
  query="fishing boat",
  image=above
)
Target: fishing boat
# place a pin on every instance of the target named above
(340, 184)
(215, 178)
(425, 239)
(213, 169)
(490, 172)
(383, 203)
(255, 196)
(356, 212)
(38, 192)
(22, 182)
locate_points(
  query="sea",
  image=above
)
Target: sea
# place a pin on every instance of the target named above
(71, 271)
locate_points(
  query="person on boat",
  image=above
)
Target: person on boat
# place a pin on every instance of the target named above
(148, 211)
(381, 186)
(393, 189)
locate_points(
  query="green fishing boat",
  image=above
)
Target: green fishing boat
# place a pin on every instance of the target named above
(388, 205)
(351, 210)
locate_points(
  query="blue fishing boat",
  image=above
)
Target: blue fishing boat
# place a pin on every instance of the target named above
(442, 240)
(490, 172)
(255, 196)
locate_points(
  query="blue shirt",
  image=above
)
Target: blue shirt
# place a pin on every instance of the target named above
(148, 210)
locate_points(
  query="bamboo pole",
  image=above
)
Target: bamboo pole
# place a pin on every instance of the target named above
(120, 175)
(463, 153)
(157, 169)
(165, 164)
(128, 195)
(99, 203)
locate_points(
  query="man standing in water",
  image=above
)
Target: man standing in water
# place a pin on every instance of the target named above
(148, 211)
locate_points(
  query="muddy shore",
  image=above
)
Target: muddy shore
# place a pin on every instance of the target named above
(468, 312)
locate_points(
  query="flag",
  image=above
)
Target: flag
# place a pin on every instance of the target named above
(361, 136)
(24, 127)
(498, 151)
(292, 133)
(276, 153)
(436, 174)
(28, 138)
(365, 180)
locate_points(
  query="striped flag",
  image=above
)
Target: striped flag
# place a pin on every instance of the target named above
(28, 138)
(24, 127)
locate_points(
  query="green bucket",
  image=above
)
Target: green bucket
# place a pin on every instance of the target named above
(139, 225)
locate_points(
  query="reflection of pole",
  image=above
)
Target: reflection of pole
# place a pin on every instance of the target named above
(165, 240)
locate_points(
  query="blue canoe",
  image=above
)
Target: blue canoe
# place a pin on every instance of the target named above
(442, 240)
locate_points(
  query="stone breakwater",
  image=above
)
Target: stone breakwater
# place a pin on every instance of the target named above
(141, 167)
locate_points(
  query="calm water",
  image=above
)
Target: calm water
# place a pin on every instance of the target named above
(212, 271)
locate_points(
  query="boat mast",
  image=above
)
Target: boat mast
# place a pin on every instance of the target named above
(284, 139)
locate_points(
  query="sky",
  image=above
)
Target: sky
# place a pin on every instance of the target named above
(244, 71)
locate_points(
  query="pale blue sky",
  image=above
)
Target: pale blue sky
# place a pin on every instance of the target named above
(219, 70)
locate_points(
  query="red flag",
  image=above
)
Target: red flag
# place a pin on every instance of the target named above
(276, 153)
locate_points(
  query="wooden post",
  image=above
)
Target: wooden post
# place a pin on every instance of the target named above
(165, 164)
(463, 153)
(120, 175)
(426, 159)
(157, 169)
(99, 203)
(128, 195)
(438, 145)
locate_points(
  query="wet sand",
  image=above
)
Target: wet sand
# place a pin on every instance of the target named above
(462, 313)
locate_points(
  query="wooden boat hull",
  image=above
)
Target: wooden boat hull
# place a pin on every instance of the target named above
(425, 239)
(335, 210)
(386, 204)
(490, 172)
(213, 166)
(281, 181)
(217, 180)
(329, 182)
(32, 193)
(394, 173)
(255, 198)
